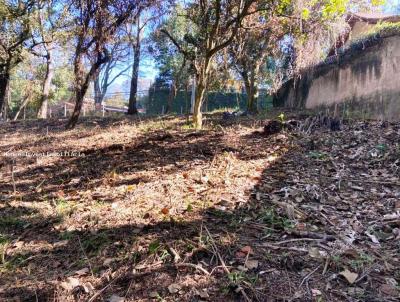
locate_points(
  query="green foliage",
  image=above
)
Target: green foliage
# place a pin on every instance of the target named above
(236, 278)
(169, 60)
(274, 220)
(334, 8)
(10, 222)
(95, 243)
(154, 247)
(361, 262)
(284, 6)
(64, 208)
(282, 117)
(27, 81)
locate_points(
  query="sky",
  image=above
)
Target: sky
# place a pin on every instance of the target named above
(391, 5)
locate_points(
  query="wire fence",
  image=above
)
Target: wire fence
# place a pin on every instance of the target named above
(154, 102)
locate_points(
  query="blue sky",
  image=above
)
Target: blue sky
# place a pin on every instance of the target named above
(391, 5)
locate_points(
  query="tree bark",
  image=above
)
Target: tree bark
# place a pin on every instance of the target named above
(4, 82)
(81, 86)
(47, 84)
(98, 95)
(171, 97)
(23, 105)
(251, 90)
(198, 102)
(132, 107)
(201, 80)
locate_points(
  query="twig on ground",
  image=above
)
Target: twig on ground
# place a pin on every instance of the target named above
(96, 295)
(87, 258)
(326, 266)
(241, 290)
(13, 177)
(173, 253)
(195, 266)
(309, 275)
(312, 235)
(277, 247)
(297, 240)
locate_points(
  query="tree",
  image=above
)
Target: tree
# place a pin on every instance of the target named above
(213, 24)
(48, 32)
(15, 30)
(135, 33)
(248, 52)
(118, 62)
(97, 21)
(172, 64)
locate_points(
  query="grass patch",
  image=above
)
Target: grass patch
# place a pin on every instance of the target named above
(361, 262)
(95, 243)
(64, 208)
(4, 241)
(271, 218)
(10, 222)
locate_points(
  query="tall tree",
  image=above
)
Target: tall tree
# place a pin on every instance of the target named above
(135, 32)
(213, 26)
(97, 21)
(171, 64)
(15, 30)
(109, 72)
(48, 32)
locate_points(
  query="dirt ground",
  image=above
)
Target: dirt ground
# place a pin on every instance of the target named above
(150, 210)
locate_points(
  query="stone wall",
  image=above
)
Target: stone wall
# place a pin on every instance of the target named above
(363, 80)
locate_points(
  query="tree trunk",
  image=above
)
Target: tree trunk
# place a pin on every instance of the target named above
(81, 87)
(201, 80)
(79, 98)
(132, 108)
(23, 106)
(198, 102)
(47, 85)
(251, 91)
(171, 97)
(4, 82)
(253, 106)
(98, 95)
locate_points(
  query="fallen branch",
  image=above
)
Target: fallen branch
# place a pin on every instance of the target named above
(96, 295)
(195, 266)
(297, 240)
(304, 234)
(309, 275)
(87, 258)
(277, 247)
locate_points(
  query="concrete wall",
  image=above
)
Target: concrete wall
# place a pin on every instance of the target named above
(364, 80)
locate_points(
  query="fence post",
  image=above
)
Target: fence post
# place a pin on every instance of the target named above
(103, 110)
(65, 110)
(162, 110)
